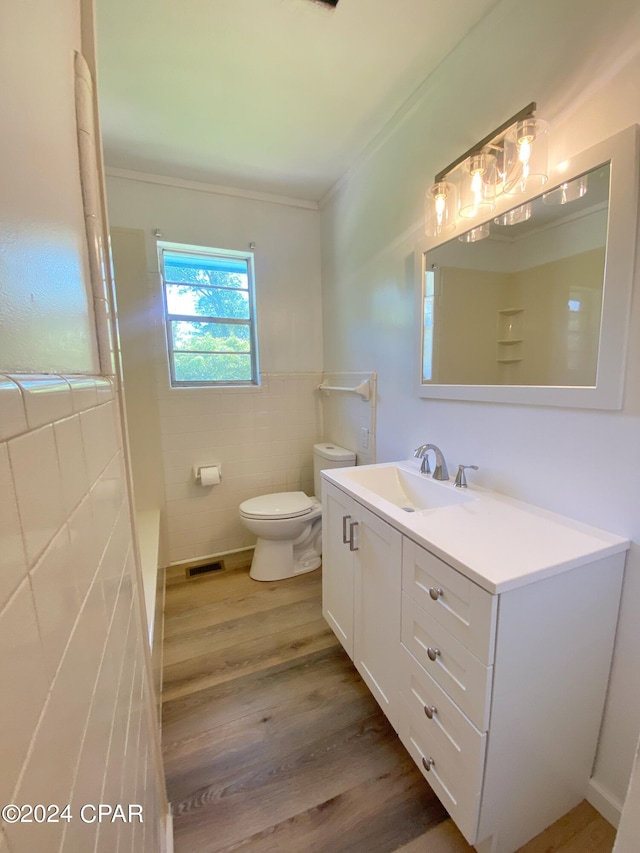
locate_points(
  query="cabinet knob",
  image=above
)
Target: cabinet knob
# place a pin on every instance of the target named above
(433, 653)
(435, 592)
(430, 710)
(427, 763)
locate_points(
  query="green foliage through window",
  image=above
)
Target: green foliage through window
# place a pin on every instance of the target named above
(210, 318)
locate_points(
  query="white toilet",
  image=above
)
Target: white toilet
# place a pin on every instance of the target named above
(289, 524)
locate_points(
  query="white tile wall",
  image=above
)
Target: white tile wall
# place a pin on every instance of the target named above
(262, 437)
(73, 469)
(38, 487)
(13, 560)
(74, 726)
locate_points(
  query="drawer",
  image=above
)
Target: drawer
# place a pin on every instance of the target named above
(466, 610)
(455, 776)
(441, 719)
(461, 675)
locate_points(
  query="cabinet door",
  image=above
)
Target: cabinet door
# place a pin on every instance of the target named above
(377, 596)
(338, 512)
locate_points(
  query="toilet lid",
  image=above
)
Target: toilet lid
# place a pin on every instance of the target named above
(278, 505)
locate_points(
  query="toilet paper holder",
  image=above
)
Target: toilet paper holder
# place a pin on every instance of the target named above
(207, 475)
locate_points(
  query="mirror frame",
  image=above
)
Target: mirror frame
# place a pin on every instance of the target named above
(621, 151)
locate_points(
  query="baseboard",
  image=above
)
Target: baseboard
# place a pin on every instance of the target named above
(168, 832)
(608, 806)
(237, 556)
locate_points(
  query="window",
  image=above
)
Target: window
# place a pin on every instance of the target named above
(210, 315)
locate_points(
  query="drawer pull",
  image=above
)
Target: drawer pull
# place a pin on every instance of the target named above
(427, 763)
(345, 540)
(435, 592)
(352, 526)
(430, 710)
(433, 653)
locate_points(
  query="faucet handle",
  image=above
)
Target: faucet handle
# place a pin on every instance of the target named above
(424, 467)
(461, 480)
(421, 453)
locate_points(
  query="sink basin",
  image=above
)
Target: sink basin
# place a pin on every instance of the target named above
(409, 490)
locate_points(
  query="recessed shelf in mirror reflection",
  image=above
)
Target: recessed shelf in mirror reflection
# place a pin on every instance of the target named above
(537, 312)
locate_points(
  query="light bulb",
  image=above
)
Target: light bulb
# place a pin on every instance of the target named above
(524, 154)
(476, 189)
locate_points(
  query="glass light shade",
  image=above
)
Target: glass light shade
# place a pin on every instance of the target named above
(526, 148)
(475, 234)
(440, 208)
(512, 217)
(571, 191)
(477, 185)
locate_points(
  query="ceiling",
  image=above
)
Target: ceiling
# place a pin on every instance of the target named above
(276, 96)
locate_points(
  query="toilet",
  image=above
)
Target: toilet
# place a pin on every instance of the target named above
(289, 524)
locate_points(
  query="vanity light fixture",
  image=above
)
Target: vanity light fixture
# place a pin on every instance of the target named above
(511, 159)
(570, 191)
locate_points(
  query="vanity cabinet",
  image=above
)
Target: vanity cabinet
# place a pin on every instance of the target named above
(497, 695)
(362, 571)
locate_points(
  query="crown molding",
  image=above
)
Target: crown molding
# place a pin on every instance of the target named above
(213, 189)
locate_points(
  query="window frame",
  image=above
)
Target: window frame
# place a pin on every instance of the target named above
(192, 252)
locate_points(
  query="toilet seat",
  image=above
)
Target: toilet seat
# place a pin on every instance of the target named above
(278, 505)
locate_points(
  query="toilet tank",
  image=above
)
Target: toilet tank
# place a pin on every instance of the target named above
(329, 455)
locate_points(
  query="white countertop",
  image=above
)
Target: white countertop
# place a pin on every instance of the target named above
(498, 542)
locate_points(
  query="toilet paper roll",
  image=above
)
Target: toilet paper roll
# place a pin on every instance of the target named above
(210, 476)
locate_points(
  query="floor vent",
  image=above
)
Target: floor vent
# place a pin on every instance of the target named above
(206, 569)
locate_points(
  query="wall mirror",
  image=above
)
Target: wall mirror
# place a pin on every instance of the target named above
(537, 311)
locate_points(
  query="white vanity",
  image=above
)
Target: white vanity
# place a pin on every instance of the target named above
(484, 627)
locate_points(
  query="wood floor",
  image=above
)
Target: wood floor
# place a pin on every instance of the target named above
(272, 742)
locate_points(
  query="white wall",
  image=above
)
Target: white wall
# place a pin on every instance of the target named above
(582, 66)
(48, 319)
(262, 437)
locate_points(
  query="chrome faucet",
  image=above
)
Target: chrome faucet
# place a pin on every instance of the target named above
(440, 471)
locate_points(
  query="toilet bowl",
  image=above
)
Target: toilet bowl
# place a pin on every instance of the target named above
(288, 527)
(289, 524)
